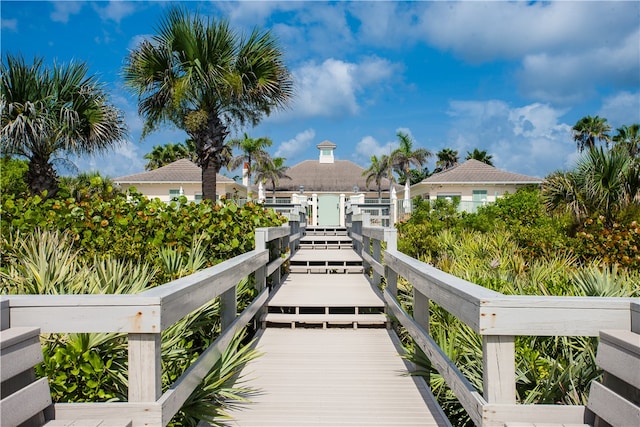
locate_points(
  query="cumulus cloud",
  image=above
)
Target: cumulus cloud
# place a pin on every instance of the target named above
(295, 146)
(115, 10)
(332, 88)
(565, 49)
(369, 146)
(529, 139)
(623, 108)
(62, 10)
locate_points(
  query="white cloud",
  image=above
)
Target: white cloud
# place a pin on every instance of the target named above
(123, 159)
(530, 139)
(115, 10)
(9, 24)
(621, 109)
(295, 146)
(62, 10)
(369, 146)
(332, 88)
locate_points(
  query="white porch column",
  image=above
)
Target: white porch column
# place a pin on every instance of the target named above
(314, 209)
(342, 210)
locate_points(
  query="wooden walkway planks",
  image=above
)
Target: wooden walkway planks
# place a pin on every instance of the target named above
(322, 290)
(333, 377)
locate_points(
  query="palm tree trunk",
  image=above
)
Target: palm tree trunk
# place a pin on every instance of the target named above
(209, 183)
(41, 177)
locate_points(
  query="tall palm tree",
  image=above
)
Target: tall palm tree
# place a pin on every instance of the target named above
(272, 170)
(588, 130)
(480, 155)
(403, 157)
(48, 113)
(253, 150)
(628, 138)
(447, 158)
(377, 170)
(203, 77)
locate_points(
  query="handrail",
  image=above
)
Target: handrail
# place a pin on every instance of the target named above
(497, 318)
(145, 315)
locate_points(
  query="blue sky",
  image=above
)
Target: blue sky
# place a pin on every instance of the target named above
(511, 78)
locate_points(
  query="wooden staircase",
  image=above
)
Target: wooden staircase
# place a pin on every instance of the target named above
(319, 292)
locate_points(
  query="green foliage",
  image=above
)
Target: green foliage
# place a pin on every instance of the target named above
(615, 244)
(12, 173)
(111, 244)
(136, 228)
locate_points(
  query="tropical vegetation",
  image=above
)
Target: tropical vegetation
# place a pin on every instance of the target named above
(94, 239)
(253, 151)
(447, 158)
(204, 78)
(272, 170)
(162, 155)
(376, 172)
(588, 130)
(480, 155)
(49, 113)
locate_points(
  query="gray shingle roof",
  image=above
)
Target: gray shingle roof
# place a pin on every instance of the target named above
(337, 177)
(326, 144)
(182, 170)
(474, 171)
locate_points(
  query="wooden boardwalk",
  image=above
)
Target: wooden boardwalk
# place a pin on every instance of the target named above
(327, 357)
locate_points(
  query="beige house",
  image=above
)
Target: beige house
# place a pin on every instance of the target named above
(473, 183)
(180, 178)
(327, 186)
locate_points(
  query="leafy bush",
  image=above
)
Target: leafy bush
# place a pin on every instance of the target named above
(617, 244)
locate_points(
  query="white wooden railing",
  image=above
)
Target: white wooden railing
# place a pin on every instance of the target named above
(497, 318)
(144, 316)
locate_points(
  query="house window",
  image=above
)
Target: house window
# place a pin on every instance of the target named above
(326, 152)
(174, 194)
(198, 197)
(479, 196)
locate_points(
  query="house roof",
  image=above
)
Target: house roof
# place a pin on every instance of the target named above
(475, 172)
(326, 144)
(337, 177)
(180, 171)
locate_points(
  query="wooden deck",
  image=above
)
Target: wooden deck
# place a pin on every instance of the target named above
(315, 372)
(333, 377)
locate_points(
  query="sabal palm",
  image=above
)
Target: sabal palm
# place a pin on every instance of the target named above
(480, 155)
(628, 138)
(203, 77)
(447, 158)
(403, 157)
(272, 170)
(377, 170)
(603, 183)
(52, 112)
(588, 130)
(253, 150)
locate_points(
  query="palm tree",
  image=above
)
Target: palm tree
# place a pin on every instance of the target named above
(162, 155)
(272, 170)
(52, 112)
(378, 170)
(404, 156)
(628, 138)
(603, 183)
(447, 158)
(253, 149)
(480, 155)
(203, 77)
(588, 130)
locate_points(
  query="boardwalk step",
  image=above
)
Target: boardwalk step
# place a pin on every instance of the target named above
(324, 320)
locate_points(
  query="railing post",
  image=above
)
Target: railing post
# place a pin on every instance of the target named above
(228, 307)
(261, 244)
(391, 238)
(499, 369)
(366, 248)
(145, 367)
(377, 245)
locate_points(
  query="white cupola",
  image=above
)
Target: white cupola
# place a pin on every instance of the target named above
(326, 151)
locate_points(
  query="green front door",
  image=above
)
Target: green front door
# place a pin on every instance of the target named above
(329, 210)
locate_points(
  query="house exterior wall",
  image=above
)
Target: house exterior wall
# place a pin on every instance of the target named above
(192, 191)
